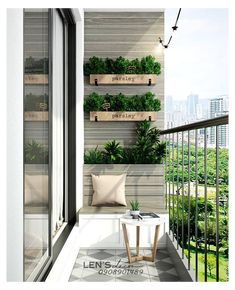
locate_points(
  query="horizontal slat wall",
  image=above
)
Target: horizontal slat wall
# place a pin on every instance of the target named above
(144, 182)
(131, 35)
(37, 131)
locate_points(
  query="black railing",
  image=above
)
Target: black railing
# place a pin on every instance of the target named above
(195, 216)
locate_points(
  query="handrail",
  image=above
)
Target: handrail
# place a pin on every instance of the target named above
(221, 120)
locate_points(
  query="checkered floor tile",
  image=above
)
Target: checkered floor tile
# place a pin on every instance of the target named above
(111, 265)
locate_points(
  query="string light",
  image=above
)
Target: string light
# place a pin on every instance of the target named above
(174, 28)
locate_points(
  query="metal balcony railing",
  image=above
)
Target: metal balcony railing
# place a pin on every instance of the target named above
(196, 216)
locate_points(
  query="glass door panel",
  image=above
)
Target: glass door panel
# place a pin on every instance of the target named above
(37, 216)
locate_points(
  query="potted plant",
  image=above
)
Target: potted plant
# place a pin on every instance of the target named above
(142, 162)
(135, 208)
(122, 108)
(148, 149)
(122, 70)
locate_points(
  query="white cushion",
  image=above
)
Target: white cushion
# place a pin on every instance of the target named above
(109, 189)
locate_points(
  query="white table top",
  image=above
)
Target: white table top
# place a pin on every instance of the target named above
(144, 222)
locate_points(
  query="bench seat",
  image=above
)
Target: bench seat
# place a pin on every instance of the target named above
(117, 210)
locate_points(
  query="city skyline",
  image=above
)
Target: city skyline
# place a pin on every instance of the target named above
(191, 109)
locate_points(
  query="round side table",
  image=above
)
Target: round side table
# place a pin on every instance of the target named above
(138, 223)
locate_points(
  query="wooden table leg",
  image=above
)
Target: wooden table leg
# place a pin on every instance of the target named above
(127, 242)
(154, 250)
(137, 240)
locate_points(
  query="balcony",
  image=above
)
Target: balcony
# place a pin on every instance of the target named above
(61, 133)
(196, 196)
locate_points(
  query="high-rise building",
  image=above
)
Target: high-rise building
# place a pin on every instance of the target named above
(168, 104)
(219, 107)
(192, 101)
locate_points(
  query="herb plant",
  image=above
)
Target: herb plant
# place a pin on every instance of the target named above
(94, 102)
(149, 65)
(95, 65)
(121, 65)
(120, 102)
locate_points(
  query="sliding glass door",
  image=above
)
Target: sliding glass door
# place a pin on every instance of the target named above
(37, 142)
(49, 78)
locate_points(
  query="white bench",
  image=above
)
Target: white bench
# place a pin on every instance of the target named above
(100, 226)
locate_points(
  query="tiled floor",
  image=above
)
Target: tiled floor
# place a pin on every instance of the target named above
(111, 265)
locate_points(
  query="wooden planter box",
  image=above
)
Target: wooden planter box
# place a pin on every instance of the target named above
(123, 79)
(123, 116)
(36, 116)
(36, 79)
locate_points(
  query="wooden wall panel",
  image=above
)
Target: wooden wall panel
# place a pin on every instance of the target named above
(127, 34)
(144, 182)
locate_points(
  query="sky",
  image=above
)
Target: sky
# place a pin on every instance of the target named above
(196, 60)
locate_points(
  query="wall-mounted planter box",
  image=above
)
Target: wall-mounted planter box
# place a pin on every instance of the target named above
(36, 116)
(36, 79)
(123, 79)
(123, 116)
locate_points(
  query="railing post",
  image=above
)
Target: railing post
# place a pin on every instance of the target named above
(217, 204)
(196, 204)
(169, 192)
(205, 197)
(189, 200)
(177, 196)
(182, 231)
(173, 187)
(166, 171)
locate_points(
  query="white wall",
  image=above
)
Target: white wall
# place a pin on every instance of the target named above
(15, 229)
(79, 16)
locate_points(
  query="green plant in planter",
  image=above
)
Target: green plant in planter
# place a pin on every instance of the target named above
(94, 156)
(149, 103)
(128, 156)
(35, 153)
(113, 152)
(135, 64)
(147, 141)
(160, 152)
(147, 150)
(121, 65)
(135, 206)
(110, 65)
(95, 65)
(150, 66)
(94, 102)
(120, 102)
(134, 103)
